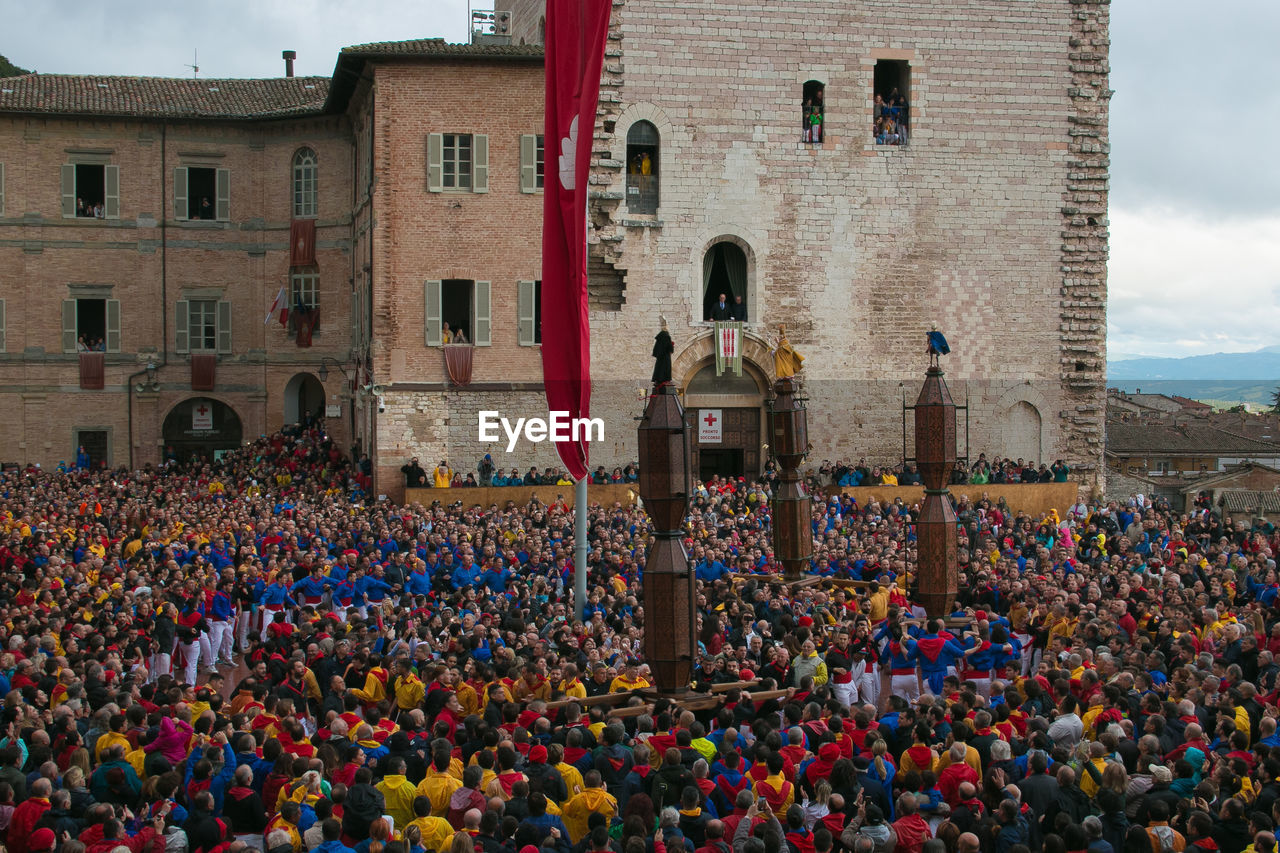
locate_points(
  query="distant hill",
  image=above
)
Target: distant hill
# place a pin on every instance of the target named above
(1219, 393)
(1261, 365)
(8, 69)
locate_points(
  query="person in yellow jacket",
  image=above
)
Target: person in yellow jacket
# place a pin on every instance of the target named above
(287, 821)
(442, 476)
(409, 691)
(437, 833)
(572, 778)
(398, 792)
(570, 685)
(375, 683)
(439, 784)
(114, 737)
(594, 799)
(628, 679)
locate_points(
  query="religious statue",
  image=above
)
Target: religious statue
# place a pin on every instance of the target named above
(786, 361)
(663, 347)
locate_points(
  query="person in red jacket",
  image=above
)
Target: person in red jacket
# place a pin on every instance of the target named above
(27, 815)
(912, 830)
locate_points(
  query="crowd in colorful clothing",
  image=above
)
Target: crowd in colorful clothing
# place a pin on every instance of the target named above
(249, 654)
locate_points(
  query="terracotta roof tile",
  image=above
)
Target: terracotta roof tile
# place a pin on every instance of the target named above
(163, 97)
(1129, 437)
(439, 48)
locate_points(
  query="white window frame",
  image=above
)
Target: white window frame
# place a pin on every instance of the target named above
(305, 184)
(451, 157)
(206, 310)
(306, 284)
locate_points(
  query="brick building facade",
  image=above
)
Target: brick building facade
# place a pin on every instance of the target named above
(160, 278)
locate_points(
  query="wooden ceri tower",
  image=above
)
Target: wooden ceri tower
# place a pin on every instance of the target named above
(792, 505)
(935, 418)
(670, 620)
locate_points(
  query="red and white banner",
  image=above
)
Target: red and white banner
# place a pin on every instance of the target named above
(576, 32)
(729, 347)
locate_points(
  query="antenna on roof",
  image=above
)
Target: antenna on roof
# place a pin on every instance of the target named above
(195, 64)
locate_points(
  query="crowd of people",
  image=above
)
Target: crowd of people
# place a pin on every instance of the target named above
(982, 471)
(247, 655)
(487, 474)
(890, 118)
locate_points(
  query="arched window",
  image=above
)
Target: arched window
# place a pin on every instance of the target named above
(304, 184)
(724, 274)
(812, 112)
(642, 168)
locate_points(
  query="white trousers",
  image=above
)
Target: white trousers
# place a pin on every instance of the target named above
(191, 653)
(161, 663)
(244, 622)
(221, 635)
(906, 686)
(869, 686)
(846, 694)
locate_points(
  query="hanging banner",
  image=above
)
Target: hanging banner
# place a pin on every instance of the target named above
(728, 348)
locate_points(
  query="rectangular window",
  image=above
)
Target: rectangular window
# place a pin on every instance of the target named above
(457, 311)
(90, 191)
(456, 301)
(891, 94)
(90, 325)
(306, 289)
(456, 162)
(96, 443)
(542, 158)
(202, 193)
(202, 324)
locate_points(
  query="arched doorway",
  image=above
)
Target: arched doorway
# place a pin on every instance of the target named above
(725, 271)
(732, 408)
(303, 395)
(202, 428)
(1022, 432)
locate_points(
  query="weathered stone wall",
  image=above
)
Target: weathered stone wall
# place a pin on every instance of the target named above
(990, 224)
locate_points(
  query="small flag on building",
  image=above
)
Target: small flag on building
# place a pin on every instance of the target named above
(280, 306)
(729, 348)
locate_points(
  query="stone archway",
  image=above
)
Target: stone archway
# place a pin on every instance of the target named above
(303, 396)
(756, 352)
(735, 403)
(202, 427)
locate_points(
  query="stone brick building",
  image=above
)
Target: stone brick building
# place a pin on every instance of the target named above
(990, 221)
(154, 216)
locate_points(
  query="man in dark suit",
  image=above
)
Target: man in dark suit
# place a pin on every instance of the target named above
(721, 311)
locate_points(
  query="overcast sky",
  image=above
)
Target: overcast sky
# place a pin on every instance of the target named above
(1195, 202)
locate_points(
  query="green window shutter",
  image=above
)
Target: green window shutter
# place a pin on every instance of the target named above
(528, 163)
(3, 329)
(435, 162)
(111, 177)
(480, 163)
(113, 325)
(483, 336)
(224, 325)
(431, 298)
(525, 312)
(68, 325)
(223, 211)
(180, 207)
(182, 337)
(69, 191)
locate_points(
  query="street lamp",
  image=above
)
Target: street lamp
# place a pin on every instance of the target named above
(324, 371)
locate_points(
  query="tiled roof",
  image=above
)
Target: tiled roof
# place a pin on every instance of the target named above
(1130, 437)
(439, 48)
(163, 97)
(1242, 500)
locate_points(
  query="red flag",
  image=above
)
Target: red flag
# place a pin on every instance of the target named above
(576, 32)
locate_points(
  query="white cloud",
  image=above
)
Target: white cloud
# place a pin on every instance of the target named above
(1181, 285)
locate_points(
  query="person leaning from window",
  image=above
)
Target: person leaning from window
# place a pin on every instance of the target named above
(81, 344)
(739, 309)
(206, 208)
(721, 311)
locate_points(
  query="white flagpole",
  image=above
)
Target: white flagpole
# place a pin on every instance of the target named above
(580, 548)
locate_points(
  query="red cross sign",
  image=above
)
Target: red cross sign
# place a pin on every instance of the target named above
(710, 428)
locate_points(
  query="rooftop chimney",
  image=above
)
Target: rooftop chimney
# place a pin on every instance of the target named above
(289, 57)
